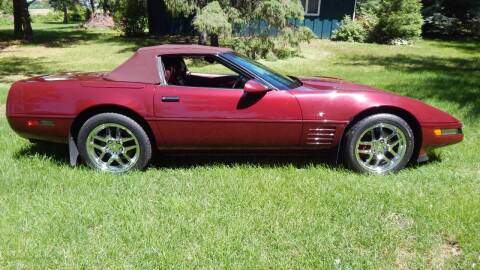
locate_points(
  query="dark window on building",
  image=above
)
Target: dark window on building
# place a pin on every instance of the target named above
(312, 7)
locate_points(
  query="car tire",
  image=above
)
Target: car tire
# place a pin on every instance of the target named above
(113, 142)
(379, 144)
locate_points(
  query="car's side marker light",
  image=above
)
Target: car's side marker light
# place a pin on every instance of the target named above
(448, 131)
(36, 123)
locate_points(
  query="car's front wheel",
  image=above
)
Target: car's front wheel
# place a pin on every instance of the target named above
(115, 143)
(380, 144)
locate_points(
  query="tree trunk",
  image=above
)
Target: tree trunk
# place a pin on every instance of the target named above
(17, 18)
(92, 6)
(214, 40)
(106, 7)
(21, 20)
(27, 23)
(65, 13)
(202, 38)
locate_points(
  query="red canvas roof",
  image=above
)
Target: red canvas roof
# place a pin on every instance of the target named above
(142, 66)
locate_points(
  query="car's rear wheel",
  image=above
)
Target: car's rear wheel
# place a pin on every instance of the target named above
(114, 143)
(380, 144)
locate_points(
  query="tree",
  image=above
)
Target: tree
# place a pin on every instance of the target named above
(130, 16)
(451, 19)
(6, 6)
(64, 6)
(399, 20)
(21, 19)
(214, 18)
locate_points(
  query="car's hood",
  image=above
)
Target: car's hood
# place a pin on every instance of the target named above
(334, 92)
(331, 83)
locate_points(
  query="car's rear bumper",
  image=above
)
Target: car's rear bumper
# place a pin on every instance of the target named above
(43, 128)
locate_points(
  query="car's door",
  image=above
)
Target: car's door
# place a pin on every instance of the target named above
(197, 117)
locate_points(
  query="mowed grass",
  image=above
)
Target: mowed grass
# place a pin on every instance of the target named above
(245, 212)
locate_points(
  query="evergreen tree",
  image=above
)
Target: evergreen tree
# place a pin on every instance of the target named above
(399, 20)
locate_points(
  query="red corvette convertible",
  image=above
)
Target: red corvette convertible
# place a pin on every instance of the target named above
(189, 97)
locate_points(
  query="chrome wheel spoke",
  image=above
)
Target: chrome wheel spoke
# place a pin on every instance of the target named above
(124, 140)
(100, 138)
(127, 157)
(391, 151)
(96, 146)
(110, 160)
(395, 144)
(389, 137)
(117, 134)
(102, 155)
(128, 148)
(120, 161)
(377, 161)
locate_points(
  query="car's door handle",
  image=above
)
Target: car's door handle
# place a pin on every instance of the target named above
(171, 99)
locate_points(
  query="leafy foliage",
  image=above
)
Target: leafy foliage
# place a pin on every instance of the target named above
(278, 39)
(283, 45)
(6, 7)
(130, 16)
(451, 19)
(440, 25)
(383, 21)
(64, 6)
(350, 30)
(212, 20)
(399, 19)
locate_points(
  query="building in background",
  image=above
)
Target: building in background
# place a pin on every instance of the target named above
(321, 16)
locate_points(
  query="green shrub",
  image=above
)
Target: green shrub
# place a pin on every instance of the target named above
(130, 17)
(398, 20)
(350, 30)
(6, 7)
(439, 25)
(53, 16)
(284, 45)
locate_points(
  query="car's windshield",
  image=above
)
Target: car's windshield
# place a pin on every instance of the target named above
(277, 80)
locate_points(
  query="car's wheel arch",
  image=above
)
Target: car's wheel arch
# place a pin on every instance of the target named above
(411, 120)
(87, 113)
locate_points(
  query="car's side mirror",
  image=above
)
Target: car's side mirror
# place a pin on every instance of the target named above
(255, 87)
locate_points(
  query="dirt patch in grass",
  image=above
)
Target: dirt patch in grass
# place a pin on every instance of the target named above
(400, 221)
(443, 253)
(405, 256)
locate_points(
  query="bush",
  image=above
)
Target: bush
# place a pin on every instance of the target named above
(130, 17)
(212, 20)
(350, 30)
(54, 16)
(398, 20)
(439, 25)
(6, 7)
(284, 45)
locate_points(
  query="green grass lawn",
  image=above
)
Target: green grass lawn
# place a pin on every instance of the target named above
(245, 212)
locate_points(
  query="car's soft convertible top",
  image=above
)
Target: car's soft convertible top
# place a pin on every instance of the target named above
(142, 66)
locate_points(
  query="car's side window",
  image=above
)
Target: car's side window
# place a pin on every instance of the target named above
(200, 71)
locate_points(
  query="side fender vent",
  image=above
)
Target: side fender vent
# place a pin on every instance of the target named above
(324, 135)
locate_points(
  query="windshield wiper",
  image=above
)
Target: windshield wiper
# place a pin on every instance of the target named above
(299, 83)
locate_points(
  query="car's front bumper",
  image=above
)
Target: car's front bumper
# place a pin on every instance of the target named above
(436, 135)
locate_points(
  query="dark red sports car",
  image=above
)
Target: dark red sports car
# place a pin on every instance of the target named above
(179, 97)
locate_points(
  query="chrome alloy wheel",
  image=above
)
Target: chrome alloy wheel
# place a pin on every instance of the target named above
(381, 148)
(113, 147)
